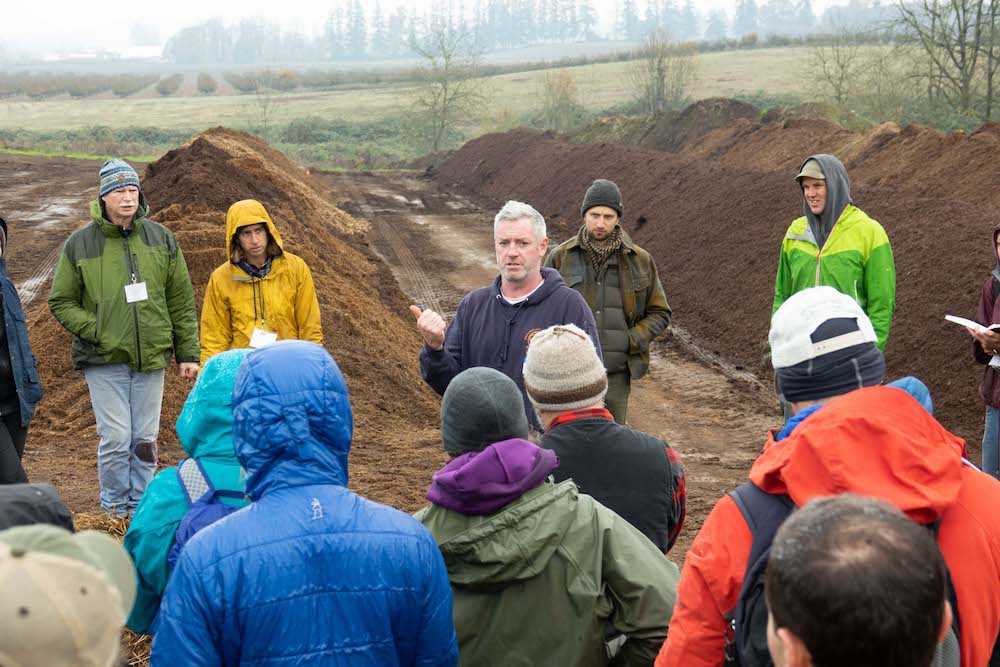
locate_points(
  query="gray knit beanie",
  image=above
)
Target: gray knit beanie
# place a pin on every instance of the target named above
(602, 193)
(117, 174)
(480, 407)
(562, 370)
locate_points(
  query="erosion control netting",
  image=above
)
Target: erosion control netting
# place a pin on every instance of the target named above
(364, 321)
(713, 214)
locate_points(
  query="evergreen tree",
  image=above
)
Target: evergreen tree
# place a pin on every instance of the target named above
(397, 27)
(687, 22)
(380, 36)
(717, 26)
(777, 17)
(357, 30)
(806, 19)
(745, 21)
(652, 20)
(629, 26)
(587, 17)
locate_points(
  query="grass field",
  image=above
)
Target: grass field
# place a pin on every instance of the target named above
(776, 71)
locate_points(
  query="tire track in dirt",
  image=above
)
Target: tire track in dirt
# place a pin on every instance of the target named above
(716, 416)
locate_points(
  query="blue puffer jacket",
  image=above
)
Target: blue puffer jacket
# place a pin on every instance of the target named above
(309, 573)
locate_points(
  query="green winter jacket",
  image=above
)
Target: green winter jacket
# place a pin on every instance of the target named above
(88, 295)
(856, 260)
(537, 582)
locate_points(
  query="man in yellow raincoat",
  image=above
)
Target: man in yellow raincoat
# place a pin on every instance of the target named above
(262, 293)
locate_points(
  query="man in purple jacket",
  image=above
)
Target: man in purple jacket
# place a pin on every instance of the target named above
(493, 324)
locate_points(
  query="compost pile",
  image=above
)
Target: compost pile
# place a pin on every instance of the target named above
(714, 210)
(365, 323)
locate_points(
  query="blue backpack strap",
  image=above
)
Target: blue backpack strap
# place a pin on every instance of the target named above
(193, 479)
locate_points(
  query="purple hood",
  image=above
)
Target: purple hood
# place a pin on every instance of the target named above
(480, 483)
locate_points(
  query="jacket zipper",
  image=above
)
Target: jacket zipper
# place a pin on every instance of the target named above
(135, 306)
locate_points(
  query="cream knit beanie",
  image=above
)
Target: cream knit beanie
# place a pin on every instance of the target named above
(562, 370)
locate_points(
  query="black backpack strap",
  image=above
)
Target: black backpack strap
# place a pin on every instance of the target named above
(995, 289)
(746, 641)
(764, 513)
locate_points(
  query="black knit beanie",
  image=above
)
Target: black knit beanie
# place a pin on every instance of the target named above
(834, 373)
(602, 193)
(480, 407)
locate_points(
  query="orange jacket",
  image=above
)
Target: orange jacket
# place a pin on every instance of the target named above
(875, 442)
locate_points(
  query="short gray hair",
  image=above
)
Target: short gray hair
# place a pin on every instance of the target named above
(516, 210)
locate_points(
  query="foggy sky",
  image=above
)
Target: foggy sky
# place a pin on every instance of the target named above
(74, 25)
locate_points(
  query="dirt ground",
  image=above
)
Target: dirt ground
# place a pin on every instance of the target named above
(713, 212)
(439, 245)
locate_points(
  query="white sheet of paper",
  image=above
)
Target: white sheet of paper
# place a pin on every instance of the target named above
(136, 292)
(260, 338)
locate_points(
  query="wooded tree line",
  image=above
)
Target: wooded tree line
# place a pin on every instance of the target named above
(356, 29)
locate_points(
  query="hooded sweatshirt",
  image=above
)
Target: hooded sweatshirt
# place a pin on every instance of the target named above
(838, 196)
(989, 313)
(489, 331)
(282, 300)
(842, 248)
(877, 442)
(537, 581)
(480, 483)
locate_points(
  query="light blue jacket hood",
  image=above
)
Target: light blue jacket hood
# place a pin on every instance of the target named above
(205, 425)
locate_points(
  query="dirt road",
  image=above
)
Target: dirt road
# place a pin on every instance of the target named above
(439, 245)
(43, 200)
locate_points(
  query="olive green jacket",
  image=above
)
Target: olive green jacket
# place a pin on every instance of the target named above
(537, 582)
(644, 302)
(88, 295)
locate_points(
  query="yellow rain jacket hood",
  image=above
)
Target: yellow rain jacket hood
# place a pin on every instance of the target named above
(245, 213)
(283, 301)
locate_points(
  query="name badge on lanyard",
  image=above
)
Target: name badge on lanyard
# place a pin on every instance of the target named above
(135, 292)
(262, 337)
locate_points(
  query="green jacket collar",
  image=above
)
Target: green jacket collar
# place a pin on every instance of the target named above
(850, 217)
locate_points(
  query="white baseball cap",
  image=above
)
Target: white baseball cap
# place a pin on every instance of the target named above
(794, 323)
(64, 597)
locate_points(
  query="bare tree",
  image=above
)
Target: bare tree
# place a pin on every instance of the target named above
(264, 101)
(450, 94)
(991, 51)
(663, 72)
(952, 34)
(559, 100)
(836, 64)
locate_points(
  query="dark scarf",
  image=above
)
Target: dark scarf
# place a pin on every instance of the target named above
(599, 251)
(252, 270)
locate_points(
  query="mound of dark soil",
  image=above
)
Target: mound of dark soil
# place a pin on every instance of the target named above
(672, 131)
(713, 215)
(365, 323)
